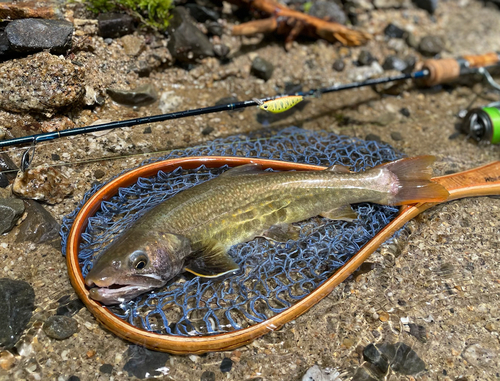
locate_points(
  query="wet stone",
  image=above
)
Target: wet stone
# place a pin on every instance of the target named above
(221, 50)
(396, 136)
(207, 130)
(328, 10)
(394, 63)
(141, 96)
(428, 5)
(410, 61)
(261, 68)
(373, 137)
(372, 354)
(70, 308)
(17, 300)
(226, 365)
(34, 35)
(431, 45)
(7, 360)
(106, 368)
(406, 360)
(363, 375)
(112, 25)
(42, 183)
(394, 31)
(405, 112)
(418, 331)
(479, 356)
(187, 43)
(338, 65)
(201, 13)
(214, 28)
(143, 363)
(39, 226)
(40, 83)
(208, 376)
(411, 40)
(365, 58)
(10, 211)
(60, 327)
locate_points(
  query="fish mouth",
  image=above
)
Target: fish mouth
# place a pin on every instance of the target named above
(116, 293)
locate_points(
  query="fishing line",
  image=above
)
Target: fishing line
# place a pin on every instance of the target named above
(434, 72)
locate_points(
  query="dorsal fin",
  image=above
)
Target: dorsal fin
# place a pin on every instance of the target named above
(246, 169)
(338, 168)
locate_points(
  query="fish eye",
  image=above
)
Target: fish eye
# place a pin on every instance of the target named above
(139, 260)
(265, 107)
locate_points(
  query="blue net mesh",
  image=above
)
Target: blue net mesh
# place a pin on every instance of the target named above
(274, 276)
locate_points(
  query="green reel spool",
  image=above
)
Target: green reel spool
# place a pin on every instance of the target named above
(483, 124)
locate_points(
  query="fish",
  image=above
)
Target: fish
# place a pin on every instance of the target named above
(194, 229)
(281, 104)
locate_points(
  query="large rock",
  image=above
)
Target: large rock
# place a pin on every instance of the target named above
(187, 43)
(34, 35)
(10, 211)
(40, 83)
(17, 302)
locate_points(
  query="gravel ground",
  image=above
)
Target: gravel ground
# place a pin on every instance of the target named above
(436, 289)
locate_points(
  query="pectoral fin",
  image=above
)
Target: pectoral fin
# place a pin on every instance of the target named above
(343, 212)
(210, 261)
(282, 233)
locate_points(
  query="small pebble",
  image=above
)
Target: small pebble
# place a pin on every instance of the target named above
(106, 368)
(394, 63)
(373, 137)
(431, 45)
(261, 68)
(384, 316)
(214, 28)
(396, 136)
(480, 356)
(74, 378)
(142, 95)
(221, 50)
(60, 327)
(207, 376)
(405, 112)
(394, 31)
(7, 360)
(112, 25)
(338, 65)
(99, 173)
(365, 58)
(207, 130)
(226, 365)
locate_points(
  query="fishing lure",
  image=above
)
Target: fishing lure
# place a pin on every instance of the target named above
(280, 104)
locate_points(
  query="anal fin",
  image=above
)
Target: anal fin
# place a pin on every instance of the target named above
(344, 213)
(211, 260)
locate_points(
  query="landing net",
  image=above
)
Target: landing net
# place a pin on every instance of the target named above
(273, 276)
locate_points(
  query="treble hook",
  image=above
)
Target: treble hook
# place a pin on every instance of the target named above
(28, 155)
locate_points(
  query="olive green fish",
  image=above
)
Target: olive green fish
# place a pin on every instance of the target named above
(193, 230)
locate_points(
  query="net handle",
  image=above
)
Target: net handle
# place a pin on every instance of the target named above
(480, 181)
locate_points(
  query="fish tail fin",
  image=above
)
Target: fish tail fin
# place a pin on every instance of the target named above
(414, 181)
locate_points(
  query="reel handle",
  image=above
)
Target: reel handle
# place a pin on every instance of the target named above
(447, 69)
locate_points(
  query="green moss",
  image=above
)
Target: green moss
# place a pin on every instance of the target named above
(153, 13)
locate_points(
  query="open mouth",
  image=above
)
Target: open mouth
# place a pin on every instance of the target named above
(116, 293)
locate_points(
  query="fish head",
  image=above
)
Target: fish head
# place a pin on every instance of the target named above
(136, 263)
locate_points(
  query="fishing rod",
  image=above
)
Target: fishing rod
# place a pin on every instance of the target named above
(433, 72)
